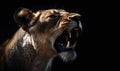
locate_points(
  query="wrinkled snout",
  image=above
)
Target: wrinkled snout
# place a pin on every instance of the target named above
(76, 18)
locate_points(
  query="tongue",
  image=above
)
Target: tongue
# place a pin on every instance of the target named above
(61, 47)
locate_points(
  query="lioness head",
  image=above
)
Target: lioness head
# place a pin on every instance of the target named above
(56, 29)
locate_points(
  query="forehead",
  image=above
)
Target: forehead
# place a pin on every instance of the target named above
(52, 11)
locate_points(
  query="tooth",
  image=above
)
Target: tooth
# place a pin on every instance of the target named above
(69, 34)
(73, 46)
(68, 44)
(77, 34)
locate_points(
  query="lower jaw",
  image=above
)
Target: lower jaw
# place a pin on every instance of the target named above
(68, 56)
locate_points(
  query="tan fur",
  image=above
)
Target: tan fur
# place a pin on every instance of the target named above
(32, 46)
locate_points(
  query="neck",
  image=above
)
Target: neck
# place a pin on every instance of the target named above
(44, 53)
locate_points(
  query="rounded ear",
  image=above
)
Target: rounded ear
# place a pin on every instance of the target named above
(22, 17)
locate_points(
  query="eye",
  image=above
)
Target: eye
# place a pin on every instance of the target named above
(54, 16)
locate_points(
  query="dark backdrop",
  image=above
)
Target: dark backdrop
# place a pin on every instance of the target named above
(90, 50)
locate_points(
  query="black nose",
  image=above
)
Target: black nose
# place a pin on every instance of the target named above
(75, 17)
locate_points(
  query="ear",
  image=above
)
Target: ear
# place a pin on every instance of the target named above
(23, 17)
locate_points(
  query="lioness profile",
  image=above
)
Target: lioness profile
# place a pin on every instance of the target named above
(42, 36)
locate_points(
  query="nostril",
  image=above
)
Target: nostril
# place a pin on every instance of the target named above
(75, 18)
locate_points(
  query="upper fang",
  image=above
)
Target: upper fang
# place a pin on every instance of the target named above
(68, 44)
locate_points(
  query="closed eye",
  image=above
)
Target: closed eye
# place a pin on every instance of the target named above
(54, 16)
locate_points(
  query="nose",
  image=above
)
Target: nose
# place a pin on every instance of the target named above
(75, 17)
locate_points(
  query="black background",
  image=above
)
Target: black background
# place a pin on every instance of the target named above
(93, 49)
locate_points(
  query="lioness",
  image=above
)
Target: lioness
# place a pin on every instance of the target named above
(43, 36)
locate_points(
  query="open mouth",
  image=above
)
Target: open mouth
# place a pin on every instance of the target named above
(67, 40)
